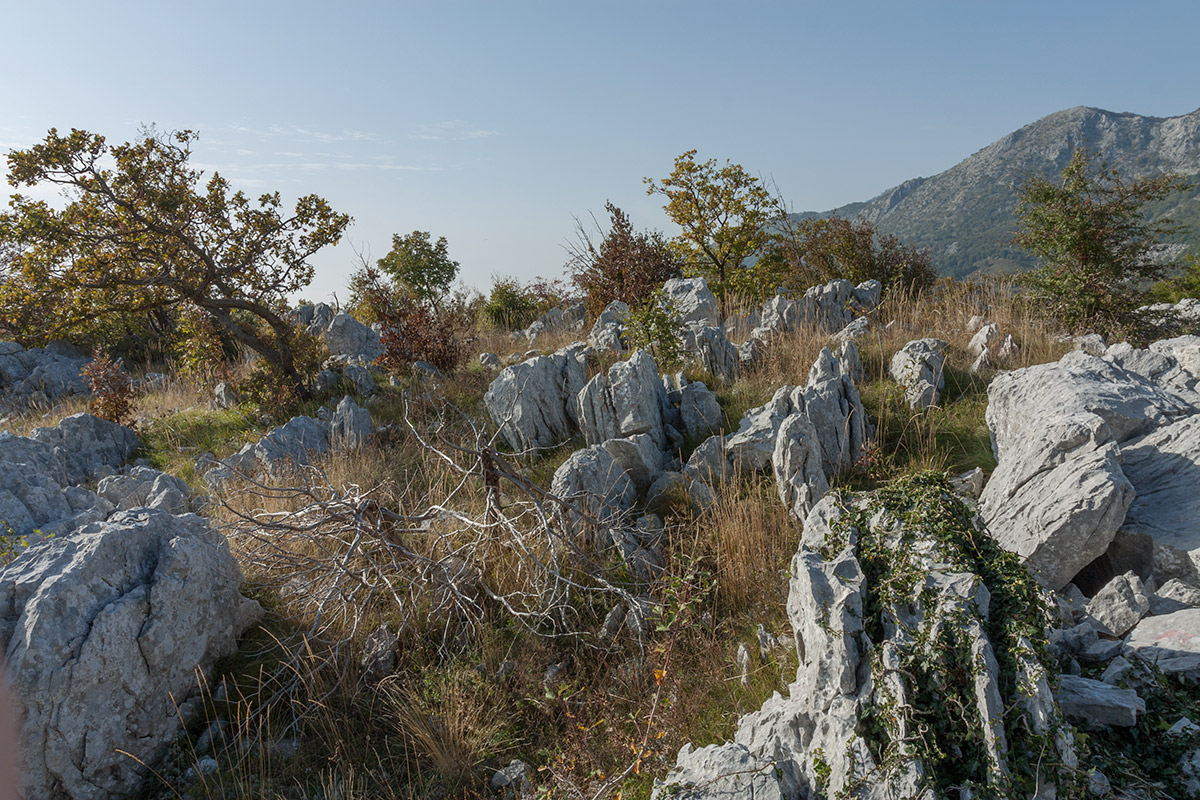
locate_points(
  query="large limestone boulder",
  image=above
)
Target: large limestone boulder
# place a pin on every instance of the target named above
(693, 301)
(102, 633)
(535, 402)
(829, 307)
(41, 373)
(78, 449)
(144, 487)
(350, 340)
(598, 492)
(716, 353)
(624, 402)
(869, 639)
(350, 426)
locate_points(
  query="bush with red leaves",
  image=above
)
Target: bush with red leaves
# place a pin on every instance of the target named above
(416, 330)
(112, 391)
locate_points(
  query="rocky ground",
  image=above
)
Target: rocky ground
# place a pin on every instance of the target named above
(852, 546)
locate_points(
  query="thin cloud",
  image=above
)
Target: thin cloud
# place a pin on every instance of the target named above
(451, 131)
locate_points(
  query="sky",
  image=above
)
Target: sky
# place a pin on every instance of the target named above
(499, 124)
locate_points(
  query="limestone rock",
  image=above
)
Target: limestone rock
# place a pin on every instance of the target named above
(78, 449)
(1098, 704)
(293, 444)
(360, 378)
(489, 361)
(1174, 595)
(983, 363)
(593, 482)
(699, 411)
(1170, 642)
(708, 462)
(1120, 604)
(41, 373)
(349, 339)
(752, 445)
(639, 456)
(849, 360)
(102, 631)
(608, 332)
(672, 488)
(918, 368)
(984, 339)
(1008, 350)
(145, 487)
(223, 396)
(1093, 344)
(693, 301)
(797, 463)
(624, 402)
(717, 354)
(534, 402)
(350, 426)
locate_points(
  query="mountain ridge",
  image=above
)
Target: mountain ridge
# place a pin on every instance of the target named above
(964, 214)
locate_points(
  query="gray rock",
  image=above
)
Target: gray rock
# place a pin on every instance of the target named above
(43, 374)
(693, 301)
(969, 483)
(79, 448)
(350, 426)
(918, 368)
(984, 339)
(489, 361)
(699, 411)
(1098, 704)
(624, 402)
(744, 662)
(720, 772)
(534, 402)
(708, 462)
(848, 358)
(1174, 595)
(512, 782)
(1093, 344)
(360, 378)
(983, 363)
(224, 396)
(379, 655)
(291, 445)
(325, 381)
(103, 631)
(639, 456)
(853, 330)
(347, 339)
(608, 332)
(831, 401)
(144, 487)
(751, 447)
(1170, 642)
(1120, 604)
(976, 322)
(598, 491)
(797, 463)
(1009, 350)
(717, 354)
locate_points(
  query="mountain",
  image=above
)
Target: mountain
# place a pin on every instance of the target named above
(965, 214)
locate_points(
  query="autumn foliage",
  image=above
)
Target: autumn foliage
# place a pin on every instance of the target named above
(413, 329)
(112, 391)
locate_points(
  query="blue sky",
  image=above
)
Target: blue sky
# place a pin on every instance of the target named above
(495, 124)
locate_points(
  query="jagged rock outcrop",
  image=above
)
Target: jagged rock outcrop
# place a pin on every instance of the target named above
(535, 402)
(693, 301)
(717, 354)
(599, 490)
(608, 331)
(624, 402)
(348, 339)
(144, 487)
(555, 320)
(350, 425)
(102, 632)
(41, 374)
(918, 367)
(829, 307)
(874, 672)
(1065, 433)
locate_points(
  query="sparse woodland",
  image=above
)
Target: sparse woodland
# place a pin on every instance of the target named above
(433, 611)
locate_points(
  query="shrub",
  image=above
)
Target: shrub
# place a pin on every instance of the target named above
(625, 266)
(112, 391)
(417, 330)
(655, 325)
(268, 387)
(510, 306)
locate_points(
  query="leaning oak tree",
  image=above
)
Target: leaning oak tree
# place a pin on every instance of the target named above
(1099, 251)
(726, 215)
(140, 233)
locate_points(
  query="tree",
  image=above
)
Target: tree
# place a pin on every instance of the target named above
(421, 266)
(814, 251)
(140, 233)
(725, 214)
(1099, 251)
(626, 266)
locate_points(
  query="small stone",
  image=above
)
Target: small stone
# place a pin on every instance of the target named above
(1098, 704)
(513, 781)
(744, 663)
(1183, 726)
(1120, 604)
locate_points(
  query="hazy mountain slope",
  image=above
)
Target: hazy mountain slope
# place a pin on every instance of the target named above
(964, 215)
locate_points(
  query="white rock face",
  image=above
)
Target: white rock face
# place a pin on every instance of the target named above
(693, 301)
(830, 307)
(984, 339)
(1120, 604)
(348, 339)
(639, 456)
(918, 368)
(1171, 642)
(145, 487)
(1077, 441)
(1097, 704)
(608, 331)
(625, 402)
(350, 425)
(100, 629)
(593, 481)
(797, 463)
(44, 374)
(534, 402)
(717, 354)
(815, 742)
(699, 411)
